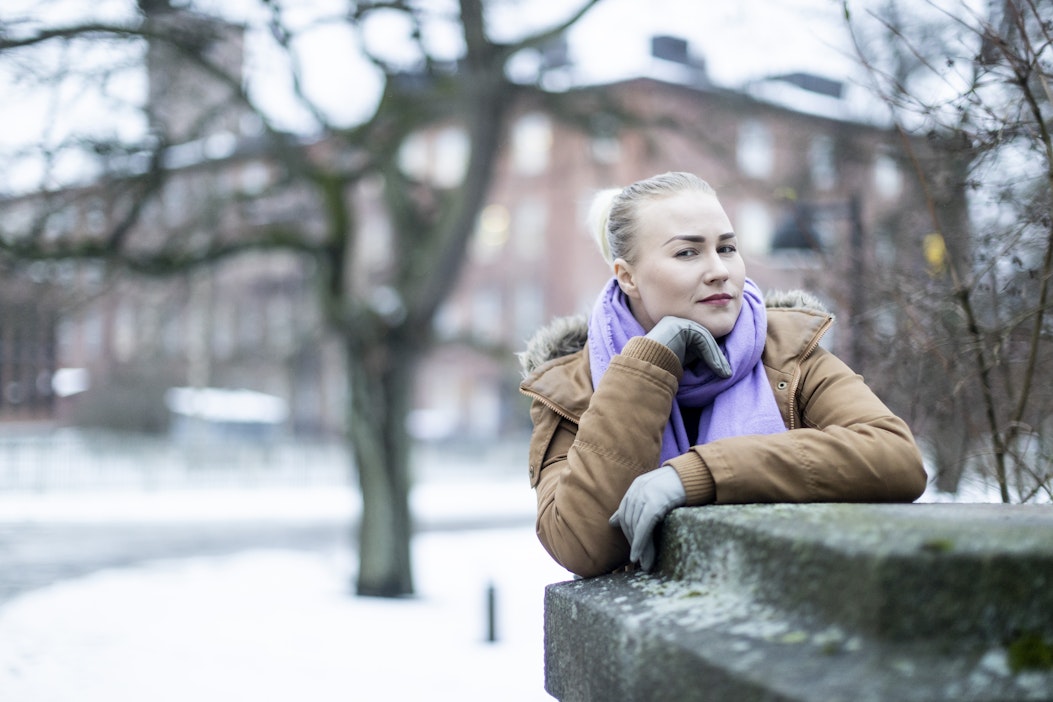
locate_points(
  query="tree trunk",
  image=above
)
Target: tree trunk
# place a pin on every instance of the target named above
(381, 382)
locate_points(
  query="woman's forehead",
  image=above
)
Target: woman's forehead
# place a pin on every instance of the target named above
(695, 210)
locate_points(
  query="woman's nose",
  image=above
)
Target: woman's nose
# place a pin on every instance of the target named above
(716, 269)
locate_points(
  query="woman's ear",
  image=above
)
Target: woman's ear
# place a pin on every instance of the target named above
(623, 273)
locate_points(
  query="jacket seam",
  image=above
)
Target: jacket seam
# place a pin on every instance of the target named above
(607, 453)
(796, 379)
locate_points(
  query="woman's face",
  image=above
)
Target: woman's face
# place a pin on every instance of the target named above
(687, 264)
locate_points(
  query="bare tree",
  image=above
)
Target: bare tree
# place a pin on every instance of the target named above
(969, 86)
(381, 315)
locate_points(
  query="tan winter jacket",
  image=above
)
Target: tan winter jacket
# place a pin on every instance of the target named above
(844, 444)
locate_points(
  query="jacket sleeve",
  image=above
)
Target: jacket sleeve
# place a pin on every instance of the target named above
(850, 448)
(587, 466)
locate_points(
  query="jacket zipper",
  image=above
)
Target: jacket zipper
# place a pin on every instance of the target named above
(797, 371)
(551, 405)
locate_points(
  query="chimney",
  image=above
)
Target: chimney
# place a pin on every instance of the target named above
(677, 50)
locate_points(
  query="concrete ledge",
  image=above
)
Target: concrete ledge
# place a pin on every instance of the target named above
(817, 602)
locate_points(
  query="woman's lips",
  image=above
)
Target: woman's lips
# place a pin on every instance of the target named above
(718, 299)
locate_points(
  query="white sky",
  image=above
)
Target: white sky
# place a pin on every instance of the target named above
(740, 40)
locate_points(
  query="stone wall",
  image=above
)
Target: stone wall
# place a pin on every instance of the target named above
(817, 602)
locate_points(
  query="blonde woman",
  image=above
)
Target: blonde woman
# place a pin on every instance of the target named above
(684, 388)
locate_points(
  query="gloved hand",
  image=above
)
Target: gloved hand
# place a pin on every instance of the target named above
(650, 497)
(690, 340)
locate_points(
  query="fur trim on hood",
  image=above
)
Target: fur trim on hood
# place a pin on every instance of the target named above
(566, 335)
(794, 300)
(560, 337)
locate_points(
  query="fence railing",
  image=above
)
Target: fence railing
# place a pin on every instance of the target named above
(72, 460)
(81, 460)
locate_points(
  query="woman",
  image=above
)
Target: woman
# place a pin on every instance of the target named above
(682, 388)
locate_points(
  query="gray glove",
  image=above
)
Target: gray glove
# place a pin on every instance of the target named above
(650, 497)
(690, 340)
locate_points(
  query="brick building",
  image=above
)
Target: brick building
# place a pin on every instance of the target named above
(818, 201)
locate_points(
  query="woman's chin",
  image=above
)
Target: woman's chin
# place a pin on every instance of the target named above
(719, 328)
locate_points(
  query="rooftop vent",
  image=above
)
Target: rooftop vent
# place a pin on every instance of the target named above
(813, 83)
(676, 51)
(671, 49)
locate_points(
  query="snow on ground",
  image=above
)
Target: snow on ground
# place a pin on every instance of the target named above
(275, 625)
(272, 625)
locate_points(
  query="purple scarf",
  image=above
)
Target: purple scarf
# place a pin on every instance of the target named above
(736, 406)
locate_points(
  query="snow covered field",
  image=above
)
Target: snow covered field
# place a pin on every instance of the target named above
(272, 625)
(281, 625)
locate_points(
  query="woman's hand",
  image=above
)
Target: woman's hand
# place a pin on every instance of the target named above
(690, 340)
(649, 498)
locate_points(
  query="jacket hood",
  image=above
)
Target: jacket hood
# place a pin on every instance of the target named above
(566, 335)
(560, 337)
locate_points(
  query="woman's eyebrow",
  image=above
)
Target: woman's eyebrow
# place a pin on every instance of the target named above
(697, 239)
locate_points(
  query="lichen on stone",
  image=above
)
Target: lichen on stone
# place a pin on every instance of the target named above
(1030, 651)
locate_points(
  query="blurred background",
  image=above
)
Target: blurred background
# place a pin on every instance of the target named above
(265, 265)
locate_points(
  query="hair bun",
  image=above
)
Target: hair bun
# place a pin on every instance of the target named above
(598, 217)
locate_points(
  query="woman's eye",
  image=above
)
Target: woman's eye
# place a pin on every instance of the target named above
(686, 253)
(727, 249)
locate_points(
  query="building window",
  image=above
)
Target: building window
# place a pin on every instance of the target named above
(281, 323)
(491, 233)
(412, 157)
(451, 157)
(224, 321)
(250, 324)
(484, 409)
(59, 223)
(756, 149)
(531, 143)
(528, 310)
(173, 334)
(754, 226)
(92, 331)
(440, 158)
(125, 324)
(254, 178)
(176, 200)
(606, 150)
(486, 314)
(449, 321)
(374, 247)
(531, 215)
(888, 180)
(822, 163)
(95, 219)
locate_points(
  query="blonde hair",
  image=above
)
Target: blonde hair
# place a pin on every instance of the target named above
(614, 212)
